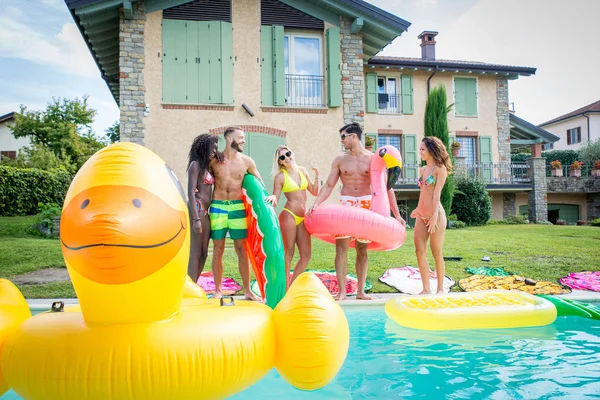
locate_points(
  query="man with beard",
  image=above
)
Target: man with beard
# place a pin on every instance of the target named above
(353, 169)
(227, 212)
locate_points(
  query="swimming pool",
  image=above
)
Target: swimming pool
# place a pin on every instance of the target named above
(385, 360)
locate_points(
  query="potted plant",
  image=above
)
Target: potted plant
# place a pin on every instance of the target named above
(556, 168)
(596, 169)
(455, 147)
(575, 168)
(369, 143)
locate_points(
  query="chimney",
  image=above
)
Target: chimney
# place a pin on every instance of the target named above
(428, 45)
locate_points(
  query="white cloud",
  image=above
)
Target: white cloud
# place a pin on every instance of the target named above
(56, 4)
(66, 50)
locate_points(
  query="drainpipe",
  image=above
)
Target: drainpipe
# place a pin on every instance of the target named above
(431, 76)
(588, 126)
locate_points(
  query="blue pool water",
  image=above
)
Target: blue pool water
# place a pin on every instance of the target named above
(385, 360)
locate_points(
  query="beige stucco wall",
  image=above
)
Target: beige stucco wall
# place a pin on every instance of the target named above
(486, 123)
(8, 141)
(560, 129)
(313, 137)
(497, 205)
(522, 199)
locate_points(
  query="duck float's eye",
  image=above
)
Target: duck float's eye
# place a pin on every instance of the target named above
(85, 203)
(137, 203)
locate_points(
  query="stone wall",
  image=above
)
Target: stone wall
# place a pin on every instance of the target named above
(352, 74)
(131, 78)
(538, 200)
(593, 206)
(509, 208)
(573, 185)
(503, 119)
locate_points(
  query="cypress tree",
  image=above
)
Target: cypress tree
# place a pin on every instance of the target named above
(436, 124)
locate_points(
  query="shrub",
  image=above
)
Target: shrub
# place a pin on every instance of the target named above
(595, 222)
(459, 224)
(44, 223)
(452, 217)
(561, 222)
(576, 165)
(565, 157)
(555, 164)
(472, 204)
(597, 164)
(22, 190)
(590, 152)
(581, 222)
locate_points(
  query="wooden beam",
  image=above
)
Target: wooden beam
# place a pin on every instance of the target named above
(100, 18)
(98, 7)
(357, 25)
(526, 141)
(127, 10)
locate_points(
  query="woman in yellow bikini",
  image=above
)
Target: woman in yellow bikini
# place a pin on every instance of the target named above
(429, 214)
(293, 180)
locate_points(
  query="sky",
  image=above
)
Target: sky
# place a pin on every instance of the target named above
(42, 54)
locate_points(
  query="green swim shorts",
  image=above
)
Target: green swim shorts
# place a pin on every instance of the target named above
(228, 215)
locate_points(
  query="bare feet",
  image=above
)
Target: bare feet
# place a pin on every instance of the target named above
(440, 292)
(363, 296)
(340, 297)
(217, 295)
(251, 296)
(425, 292)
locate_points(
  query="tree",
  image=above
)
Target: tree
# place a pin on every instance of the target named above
(40, 157)
(113, 133)
(472, 204)
(436, 124)
(64, 128)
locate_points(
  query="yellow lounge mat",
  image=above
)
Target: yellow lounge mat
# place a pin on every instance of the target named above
(512, 282)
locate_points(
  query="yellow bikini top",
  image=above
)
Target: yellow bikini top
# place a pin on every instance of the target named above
(289, 185)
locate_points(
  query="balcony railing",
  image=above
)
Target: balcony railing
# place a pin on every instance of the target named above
(389, 103)
(304, 91)
(491, 174)
(565, 170)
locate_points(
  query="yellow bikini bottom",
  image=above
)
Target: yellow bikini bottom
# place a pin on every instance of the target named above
(298, 219)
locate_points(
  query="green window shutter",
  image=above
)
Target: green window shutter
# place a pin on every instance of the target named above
(334, 73)
(410, 157)
(407, 94)
(226, 63)
(214, 62)
(374, 137)
(203, 65)
(278, 66)
(180, 81)
(485, 152)
(168, 60)
(191, 63)
(465, 97)
(451, 139)
(266, 65)
(371, 93)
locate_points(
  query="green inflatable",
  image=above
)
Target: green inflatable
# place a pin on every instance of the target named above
(265, 243)
(566, 307)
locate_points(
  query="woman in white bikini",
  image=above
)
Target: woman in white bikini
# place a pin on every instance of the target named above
(200, 183)
(293, 180)
(429, 214)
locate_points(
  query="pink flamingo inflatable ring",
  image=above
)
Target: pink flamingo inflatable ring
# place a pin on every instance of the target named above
(374, 224)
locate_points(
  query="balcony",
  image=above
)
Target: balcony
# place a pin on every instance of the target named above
(304, 91)
(499, 175)
(389, 103)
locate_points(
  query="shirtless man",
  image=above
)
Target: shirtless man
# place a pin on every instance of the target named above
(227, 212)
(353, 168)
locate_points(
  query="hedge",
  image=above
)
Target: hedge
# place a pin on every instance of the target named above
(566, 157)
(471, 202)
(22, 189)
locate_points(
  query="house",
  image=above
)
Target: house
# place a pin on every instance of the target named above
(9, 145)
(295, 71)
(575, 128)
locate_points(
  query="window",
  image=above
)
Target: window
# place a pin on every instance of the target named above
(389, 140)
(548, 146)
(387, 95)
(574, 135)
(468, 149)
(465, 97)
(197, 62)
(8, 154)
(303, 70)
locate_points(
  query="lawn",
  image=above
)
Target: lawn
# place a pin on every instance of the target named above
(540, 252)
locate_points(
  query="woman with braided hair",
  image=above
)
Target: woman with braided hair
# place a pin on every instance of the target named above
(200, 185)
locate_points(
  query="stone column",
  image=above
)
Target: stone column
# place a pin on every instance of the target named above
(593, 206)
(353, 86)
(509, 209)
(131, 74)
(538, 206)
(503, 116)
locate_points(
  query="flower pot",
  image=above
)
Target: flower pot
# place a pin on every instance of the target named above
(455, 152)
(575, 172)
(596, 172)
(556, 172)
(369, 148)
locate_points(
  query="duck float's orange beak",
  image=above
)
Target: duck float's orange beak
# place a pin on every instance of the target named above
(120, 234)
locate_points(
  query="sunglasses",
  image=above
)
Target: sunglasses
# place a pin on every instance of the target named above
(345, 135)
(288, 155)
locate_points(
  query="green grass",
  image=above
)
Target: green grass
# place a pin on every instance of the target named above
(541, 252)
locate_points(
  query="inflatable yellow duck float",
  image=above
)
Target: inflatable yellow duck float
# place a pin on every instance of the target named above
(143, 330)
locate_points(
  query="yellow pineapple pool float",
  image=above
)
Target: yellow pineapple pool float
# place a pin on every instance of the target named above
(143, 330)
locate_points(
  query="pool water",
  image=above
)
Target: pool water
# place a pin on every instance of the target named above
(385, 360)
